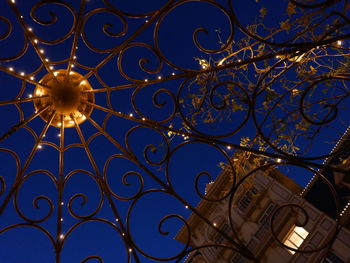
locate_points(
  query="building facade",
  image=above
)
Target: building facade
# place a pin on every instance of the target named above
(268, 216)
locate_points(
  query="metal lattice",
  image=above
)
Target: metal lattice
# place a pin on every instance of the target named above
(110, 108)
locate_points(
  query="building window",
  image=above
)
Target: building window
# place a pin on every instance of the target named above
(295, 237)
(264, 221)
(247, 199)
(265, 217)
(332, 258)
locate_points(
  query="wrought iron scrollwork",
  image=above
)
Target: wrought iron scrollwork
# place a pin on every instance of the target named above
(267, 94)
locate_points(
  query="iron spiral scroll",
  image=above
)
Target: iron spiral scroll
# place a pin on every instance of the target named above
(114, 118)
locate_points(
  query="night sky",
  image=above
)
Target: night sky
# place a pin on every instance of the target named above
(133, 104)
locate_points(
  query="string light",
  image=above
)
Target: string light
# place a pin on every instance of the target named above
(159, 77)
(30, 95)
(40, 146)
(347, 131)
(10, 69)
(61, 236)
(146, 80)
(31, 78)
(279, 160)
(62, 203)
(131, 114)
(22, 73)
(41, 51)
(339, 42)
(229, 147)
(35, 41)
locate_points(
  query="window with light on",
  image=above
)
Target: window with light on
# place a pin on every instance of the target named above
(295, 237)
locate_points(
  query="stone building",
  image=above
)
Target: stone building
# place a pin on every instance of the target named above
(256, 207)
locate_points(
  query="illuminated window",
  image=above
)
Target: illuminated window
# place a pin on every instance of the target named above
(295, 237)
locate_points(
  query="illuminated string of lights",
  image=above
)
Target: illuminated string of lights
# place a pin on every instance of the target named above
(314, 177)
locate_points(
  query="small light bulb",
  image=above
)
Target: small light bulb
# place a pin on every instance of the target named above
(159, 77)
(11, 69)
(22, 73)
(62, 203)
(279, 160)
(30, 95)
(339, 43)
(131, 114)
(31, 78)
(61, 236)
(35, 41)
(30, 29)
(229, 147)
(41, 51)
(40, 146)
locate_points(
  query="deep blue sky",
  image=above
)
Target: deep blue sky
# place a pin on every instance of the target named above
(175, 41)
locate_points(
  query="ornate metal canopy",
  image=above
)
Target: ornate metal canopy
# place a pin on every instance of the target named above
(132, 108)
